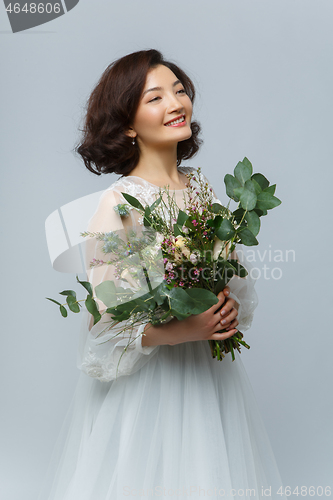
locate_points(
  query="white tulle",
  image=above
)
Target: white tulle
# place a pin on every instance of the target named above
(176, 423)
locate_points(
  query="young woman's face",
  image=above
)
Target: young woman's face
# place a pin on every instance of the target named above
(165, 110)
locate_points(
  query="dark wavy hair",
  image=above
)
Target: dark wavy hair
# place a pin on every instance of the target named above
(110, 112)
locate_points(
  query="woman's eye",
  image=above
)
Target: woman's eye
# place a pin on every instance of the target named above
(182, 91)
(154, 99)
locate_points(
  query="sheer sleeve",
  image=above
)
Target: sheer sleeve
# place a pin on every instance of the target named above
(241, 289)
(104, 353)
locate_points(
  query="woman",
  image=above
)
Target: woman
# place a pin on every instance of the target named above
(175, 422)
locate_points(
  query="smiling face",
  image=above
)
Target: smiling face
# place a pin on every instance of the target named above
(164, 114)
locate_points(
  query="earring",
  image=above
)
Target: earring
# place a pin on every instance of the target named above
(133, 141)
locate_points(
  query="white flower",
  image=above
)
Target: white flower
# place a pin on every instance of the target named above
(169, 266)
(218, 245)
(159, 238)
(181, 245)
(180, 241)
(194, 257)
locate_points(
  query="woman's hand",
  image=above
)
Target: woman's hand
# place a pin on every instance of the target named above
(203, 326)
(229, 312)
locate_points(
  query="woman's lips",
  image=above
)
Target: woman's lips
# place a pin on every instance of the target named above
(177, 122)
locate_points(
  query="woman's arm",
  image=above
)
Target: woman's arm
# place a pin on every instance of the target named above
(113, 353)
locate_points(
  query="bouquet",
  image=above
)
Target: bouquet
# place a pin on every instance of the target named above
(182, 259)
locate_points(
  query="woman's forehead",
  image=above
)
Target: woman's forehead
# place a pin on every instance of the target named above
(158, 76)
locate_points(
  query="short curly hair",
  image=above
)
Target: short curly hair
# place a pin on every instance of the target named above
(110, 111)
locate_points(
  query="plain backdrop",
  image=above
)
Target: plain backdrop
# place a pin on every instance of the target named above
(263, 70)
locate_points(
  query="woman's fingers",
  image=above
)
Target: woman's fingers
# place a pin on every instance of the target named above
(226, 320)
(224, 335)
(221, 298)
(227, 307)
(232, 325)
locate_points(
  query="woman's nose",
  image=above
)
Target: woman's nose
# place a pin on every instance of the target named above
(174, 103)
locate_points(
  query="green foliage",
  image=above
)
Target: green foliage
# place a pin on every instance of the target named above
(226, 230)
(92, 307)
(133, 201)
(107, 293)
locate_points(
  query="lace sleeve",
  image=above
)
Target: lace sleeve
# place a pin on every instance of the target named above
(107, 355)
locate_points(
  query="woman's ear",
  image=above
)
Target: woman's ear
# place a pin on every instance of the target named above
(131, 133)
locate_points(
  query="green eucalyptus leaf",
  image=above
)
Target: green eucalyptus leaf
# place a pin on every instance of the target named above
(120, 316)
(238, 214)
(259, 212)
(55, 301)
(182, 217)
(247, 238)
(248, 199)
(177, 230)
(215, 222)
(92, 307)
(72, 304)
(63, 311)
(220, 285)
(156, 203)
(86, 285)
(68, 292)
(251, 186)
(159, 296)
(253, 222)
(261, 180)
(216, 207)
(202, 299)
(144, 305)
(242, 172)
(248, 164)
(231, 183)
(107, 293)
(147, 222)
(267, 201)
(226, 230)
(180, 303)
(133, 201)
(270, 189)
(240, 270)
(257, 186)
(238, 192)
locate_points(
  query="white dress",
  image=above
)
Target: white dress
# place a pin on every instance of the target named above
(176, 423)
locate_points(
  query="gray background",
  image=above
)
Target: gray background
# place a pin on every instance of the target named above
(264, 75)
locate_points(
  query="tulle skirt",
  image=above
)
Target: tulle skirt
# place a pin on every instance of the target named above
(184, 426)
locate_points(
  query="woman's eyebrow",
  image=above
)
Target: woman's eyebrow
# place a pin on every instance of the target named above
(159, 88)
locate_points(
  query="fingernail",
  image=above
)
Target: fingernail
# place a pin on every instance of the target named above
(223, 312)
(223, 321)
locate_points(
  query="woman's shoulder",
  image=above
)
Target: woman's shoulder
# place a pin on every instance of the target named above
(132, 185)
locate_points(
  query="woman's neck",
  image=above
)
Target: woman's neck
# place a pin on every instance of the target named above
(160, 168)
